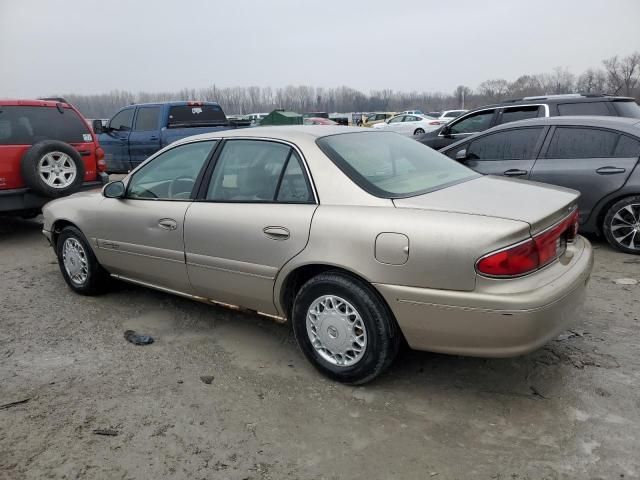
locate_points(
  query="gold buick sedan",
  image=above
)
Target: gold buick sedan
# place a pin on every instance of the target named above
(360, 239)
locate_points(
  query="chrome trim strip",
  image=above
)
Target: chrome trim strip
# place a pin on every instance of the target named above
(228, 270)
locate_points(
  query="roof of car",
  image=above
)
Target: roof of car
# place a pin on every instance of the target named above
(630, 125)
(31, 103)
(562, 98)
(622, 124)
(285, 132)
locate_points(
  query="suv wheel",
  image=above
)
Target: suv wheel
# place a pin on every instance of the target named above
(78, 264)
(52, 168)
(344, 329)
(621, 226)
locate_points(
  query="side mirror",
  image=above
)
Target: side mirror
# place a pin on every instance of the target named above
(97, 127)
(114, 189)
(461, 155)
(446, 131)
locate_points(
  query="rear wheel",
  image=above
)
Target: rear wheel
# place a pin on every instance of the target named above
(419, 131)
(621, 226)
(78, 264)
(344, 329)
(52, 168)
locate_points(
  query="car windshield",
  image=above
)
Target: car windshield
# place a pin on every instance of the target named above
(389, 165)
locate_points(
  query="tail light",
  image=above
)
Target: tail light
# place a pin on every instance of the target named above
(194, 104)
(532, 254)
(435, 123)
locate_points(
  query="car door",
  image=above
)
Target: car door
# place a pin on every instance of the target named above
(409, 124)
(115, 141)
(140, 237)
(510, 153)
(395, 124)
(594, 161)
(253, 217)
(144, 139)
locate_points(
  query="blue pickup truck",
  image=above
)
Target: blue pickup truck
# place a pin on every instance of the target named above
(138, 131)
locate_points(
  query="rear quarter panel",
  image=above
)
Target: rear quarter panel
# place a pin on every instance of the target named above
(443, 246)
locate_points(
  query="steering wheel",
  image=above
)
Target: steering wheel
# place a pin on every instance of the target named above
(179, 192)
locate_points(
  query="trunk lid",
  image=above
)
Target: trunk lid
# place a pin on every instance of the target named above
(540, 205)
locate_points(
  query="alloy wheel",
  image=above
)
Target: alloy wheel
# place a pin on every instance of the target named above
(625, 226)
(57, 169)
(75, 261)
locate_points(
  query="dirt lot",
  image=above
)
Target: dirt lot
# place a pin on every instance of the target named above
(570, 410)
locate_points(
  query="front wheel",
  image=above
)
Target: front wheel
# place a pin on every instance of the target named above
(344, 329)
(78, 264)
(419, 131)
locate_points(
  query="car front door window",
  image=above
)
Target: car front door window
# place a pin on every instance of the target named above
(122, 121)
(476, 122)
(171, 175)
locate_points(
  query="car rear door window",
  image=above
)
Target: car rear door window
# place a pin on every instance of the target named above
(511, 114)
(517, 144)
(122, 120)
(294, 187)
(627, 147)
(574, 142)
(583, 108)
(147, 119)
(23, 125)
(476, 122)
(627, 108)
(397, 119)
(248, 171)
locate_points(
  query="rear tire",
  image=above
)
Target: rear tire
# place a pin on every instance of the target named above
(419, 131)
(52, 168)
(79, 266)
(344, 329)
(621, 225)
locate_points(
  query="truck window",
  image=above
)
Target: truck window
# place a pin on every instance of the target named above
(181, 116)
(147, 119)
(123, 120)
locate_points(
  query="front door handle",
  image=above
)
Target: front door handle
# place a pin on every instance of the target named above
(153, 138)
(610, 170)
(514, 172)
(168, 223)
(276, 233)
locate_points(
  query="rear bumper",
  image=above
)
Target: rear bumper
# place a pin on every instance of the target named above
(492, 321)
(24, 199)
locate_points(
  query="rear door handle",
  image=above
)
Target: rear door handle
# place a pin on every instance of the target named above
(168, 223)
(514, 172)
(610, 170)
(276, 233)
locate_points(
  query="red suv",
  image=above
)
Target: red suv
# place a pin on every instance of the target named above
(47, 150)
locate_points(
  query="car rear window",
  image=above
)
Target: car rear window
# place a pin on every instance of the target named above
(195, 116)
(627, 108)
(584, 108)
(389, 165)
(22, 125)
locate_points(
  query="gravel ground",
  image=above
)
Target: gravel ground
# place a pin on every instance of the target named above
(570, 410)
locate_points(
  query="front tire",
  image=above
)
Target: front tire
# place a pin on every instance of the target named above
(344, 329)
(78, 264)
(621, 225)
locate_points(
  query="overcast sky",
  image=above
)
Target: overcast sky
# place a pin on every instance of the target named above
(82, 46)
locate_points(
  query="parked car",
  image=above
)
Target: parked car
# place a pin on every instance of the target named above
(47, 150)
(138, 131)
(483, 118)
(409, 124)
(317, 121)
(379, 117)
(449, 115)
(280, 220)
(411, 112)
(254, 118)
(597, 156)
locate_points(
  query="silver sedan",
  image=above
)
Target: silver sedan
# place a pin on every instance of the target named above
(359, 238)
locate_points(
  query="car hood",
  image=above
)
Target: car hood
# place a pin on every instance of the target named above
(540, 205)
